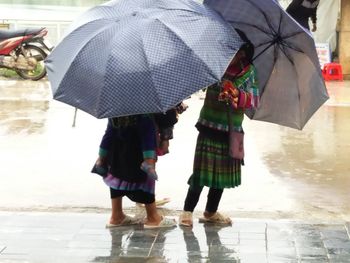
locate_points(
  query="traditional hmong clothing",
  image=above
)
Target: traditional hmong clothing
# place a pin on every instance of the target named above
(148, 125)
(124, 145)
(213, 167)
(148, 134)
(124, 177)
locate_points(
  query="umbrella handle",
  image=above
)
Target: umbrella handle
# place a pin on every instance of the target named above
(75, 117)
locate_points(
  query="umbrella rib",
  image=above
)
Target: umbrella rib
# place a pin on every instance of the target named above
(99, 31)
(288, 45)
(264, 43)
(273, 66)
(282, 48)
(289, 59)
(280, 22)
(251, 25)
(190, 11)
(180, 9)
(69, 30)
(265, 16)
(165, 25)
(109, 25)
(148, 66)
(293, 34)
(261, 52)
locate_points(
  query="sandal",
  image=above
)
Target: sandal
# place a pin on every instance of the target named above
(164, 223)
(186, 219)
(217, 218)
(127, 221)
(159, 202)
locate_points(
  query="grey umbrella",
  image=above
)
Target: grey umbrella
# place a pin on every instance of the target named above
(289, 75)
(141, 56)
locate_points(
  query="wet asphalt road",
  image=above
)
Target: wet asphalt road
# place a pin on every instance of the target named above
(45, 162)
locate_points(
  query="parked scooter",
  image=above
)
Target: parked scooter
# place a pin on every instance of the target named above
(24, 51)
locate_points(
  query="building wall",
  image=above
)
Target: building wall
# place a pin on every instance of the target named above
(4, 26)
(344, 38)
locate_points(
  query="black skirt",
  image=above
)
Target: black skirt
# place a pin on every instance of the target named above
(126, 155)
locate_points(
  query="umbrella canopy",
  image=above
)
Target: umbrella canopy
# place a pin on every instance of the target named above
(289, 74)
(141, 56)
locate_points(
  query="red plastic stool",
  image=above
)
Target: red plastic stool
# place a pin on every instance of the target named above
(332, 71)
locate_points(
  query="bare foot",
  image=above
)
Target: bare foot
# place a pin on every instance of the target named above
(153, 221)
(117, 220)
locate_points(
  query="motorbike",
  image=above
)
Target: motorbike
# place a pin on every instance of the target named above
(24, 51)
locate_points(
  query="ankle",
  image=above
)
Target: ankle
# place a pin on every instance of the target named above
(117, 219)
(154, 219)
(208, 214)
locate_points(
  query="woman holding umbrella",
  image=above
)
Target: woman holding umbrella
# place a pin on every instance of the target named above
(217, 164)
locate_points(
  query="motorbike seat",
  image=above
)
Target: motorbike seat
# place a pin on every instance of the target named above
(6, 34)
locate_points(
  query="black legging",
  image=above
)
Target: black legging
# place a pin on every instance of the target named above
(213, 199)
(138, 196)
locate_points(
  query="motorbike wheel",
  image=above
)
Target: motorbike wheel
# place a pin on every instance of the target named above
(40, 71)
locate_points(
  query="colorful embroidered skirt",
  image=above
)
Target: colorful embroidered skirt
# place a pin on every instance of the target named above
(137, 192)
(213, 167)
(147, 186)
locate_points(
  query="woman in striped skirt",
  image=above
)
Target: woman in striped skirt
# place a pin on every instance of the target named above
(222, 112)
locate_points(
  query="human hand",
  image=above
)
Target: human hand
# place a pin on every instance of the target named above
(230, 89)
(234, 103)
(229, 99)
(181, 107)
(314, 27)
(101, 161)
(229, 93)
(163, 147)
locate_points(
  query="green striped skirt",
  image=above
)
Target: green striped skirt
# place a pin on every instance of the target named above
(213, 167)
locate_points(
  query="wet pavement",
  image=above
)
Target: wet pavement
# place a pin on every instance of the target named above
(81, 237)
(288, 174)
(292, 206)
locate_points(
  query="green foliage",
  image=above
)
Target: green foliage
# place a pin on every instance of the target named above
(8, 73)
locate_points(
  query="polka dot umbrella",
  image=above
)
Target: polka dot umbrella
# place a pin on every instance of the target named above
(141, 56)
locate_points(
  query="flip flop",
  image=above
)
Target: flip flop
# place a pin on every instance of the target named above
(160, 202)
(217, 218)
(165, 223)
(186, 219)
(128, 221)
(163, 201)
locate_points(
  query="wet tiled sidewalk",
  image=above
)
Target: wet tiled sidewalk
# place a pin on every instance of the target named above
(81, 237)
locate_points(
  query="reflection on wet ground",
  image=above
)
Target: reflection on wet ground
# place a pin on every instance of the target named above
(31, 120)
(81, 237)
(23, 107)
(313, 163)
(288, 173)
